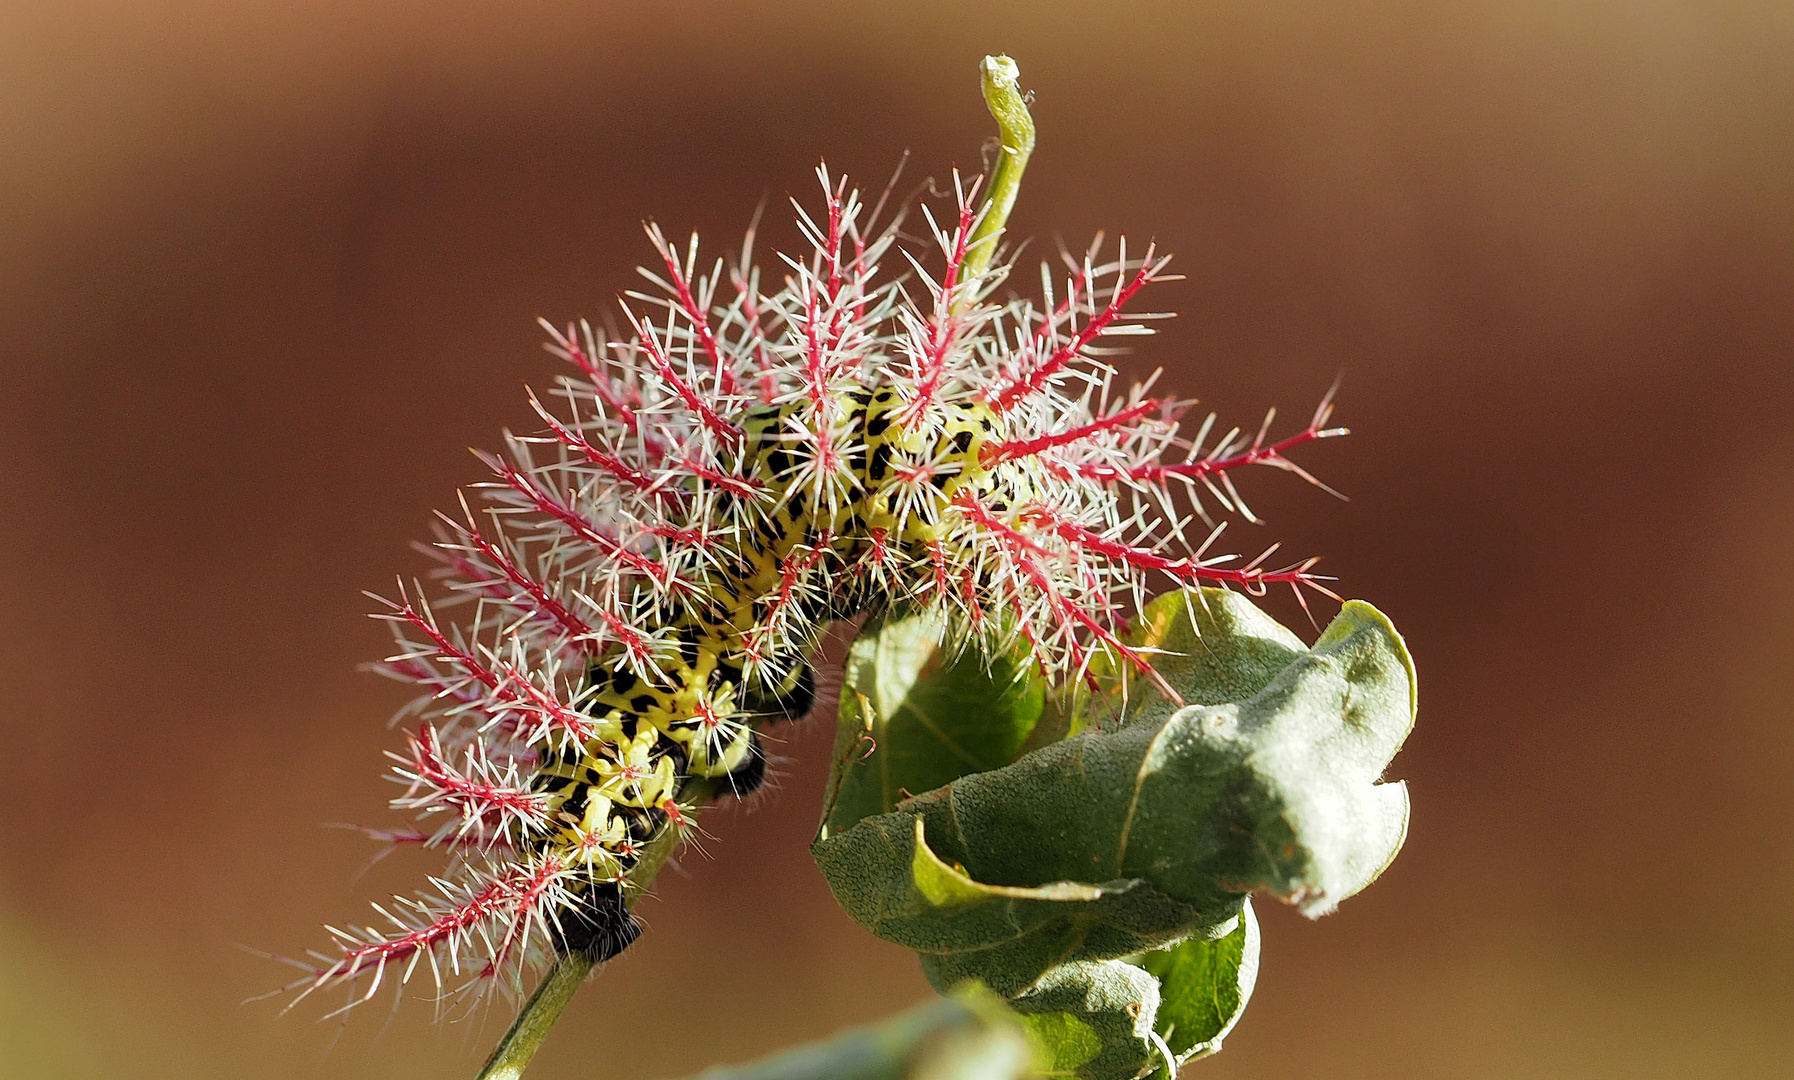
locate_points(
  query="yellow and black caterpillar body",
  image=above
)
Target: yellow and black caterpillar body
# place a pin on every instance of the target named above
(645, 580)
(610, 794)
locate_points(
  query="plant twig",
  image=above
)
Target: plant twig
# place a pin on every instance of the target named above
(1003, 96)
(544, 1007)
(520, 1043)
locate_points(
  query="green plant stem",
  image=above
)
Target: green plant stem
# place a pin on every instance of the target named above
(544, 1007)
(520, 1043)
(1003, 96)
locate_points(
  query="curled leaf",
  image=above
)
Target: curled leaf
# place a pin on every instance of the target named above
(1093, 1019)
(1146, 835)
(1119, 1018)
(1204, 985)
(913, 717)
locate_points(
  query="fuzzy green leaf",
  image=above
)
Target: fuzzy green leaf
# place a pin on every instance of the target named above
(1124, 840)
(1203, 989)
(1092, 1020)
(1118, 1018)
(1211, 645)
(914, 717)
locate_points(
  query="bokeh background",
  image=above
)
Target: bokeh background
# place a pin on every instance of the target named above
(267, 269)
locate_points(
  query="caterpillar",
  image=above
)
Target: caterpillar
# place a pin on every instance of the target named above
(649, 574)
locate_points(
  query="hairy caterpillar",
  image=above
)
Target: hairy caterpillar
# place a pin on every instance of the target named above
(651, 573)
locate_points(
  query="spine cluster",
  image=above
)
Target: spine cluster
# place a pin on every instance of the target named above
(644, 580)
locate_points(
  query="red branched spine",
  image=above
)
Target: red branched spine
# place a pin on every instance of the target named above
(609, 463)
(526, 593)
(997, 453)
(582, 527)
(475, 791)
(944, 325)
(1041, 376)
(694, 313)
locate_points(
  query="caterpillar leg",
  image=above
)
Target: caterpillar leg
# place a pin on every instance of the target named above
(747, 777)
(600, 926)
(792, 699)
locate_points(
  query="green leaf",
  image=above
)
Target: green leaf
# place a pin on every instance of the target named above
(1124, 840)
(1006, 936)
(914, 716)
(1092, 1020)
(1118, 1018)
(970, 1036)
(1203, 988)
(1211, 645)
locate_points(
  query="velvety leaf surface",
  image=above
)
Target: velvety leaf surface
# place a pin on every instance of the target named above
(1203, 988)
(1211, 645)
(913, 717)
(1144, 834)
(1100, 1020)
(1092, 1020)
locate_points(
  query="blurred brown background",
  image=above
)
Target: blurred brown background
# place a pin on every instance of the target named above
(267, 269)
